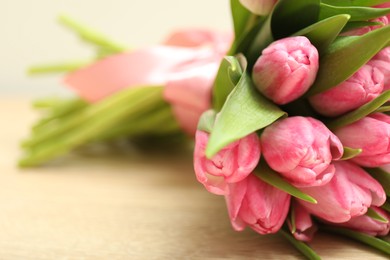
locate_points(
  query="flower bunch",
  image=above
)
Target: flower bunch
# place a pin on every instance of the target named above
(302, 136)
(290, 116)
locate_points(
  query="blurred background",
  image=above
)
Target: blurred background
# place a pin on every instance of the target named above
(30, 33)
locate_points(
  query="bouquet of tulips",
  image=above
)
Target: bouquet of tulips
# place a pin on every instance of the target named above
(290, 115)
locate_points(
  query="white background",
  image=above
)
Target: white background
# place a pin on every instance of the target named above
(31, 35)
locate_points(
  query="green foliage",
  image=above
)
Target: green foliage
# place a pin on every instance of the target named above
(245, 111)
(356, 13)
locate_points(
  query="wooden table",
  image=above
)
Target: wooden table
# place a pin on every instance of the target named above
(128, 205)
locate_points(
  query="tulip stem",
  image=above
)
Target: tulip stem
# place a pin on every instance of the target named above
(63, 67)
(60, 111)
(361, 237)
(157, 121)
(91, 36)
(302, 247)
(94, 121)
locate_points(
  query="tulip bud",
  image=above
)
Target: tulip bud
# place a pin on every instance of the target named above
(286, 69)
(368, 225)
(304, 226)
(349, 194)
(362, 87)
(256, 204)
(372, 135)
(381, 61)
(259, 7)
(232, 164)
(301, 149)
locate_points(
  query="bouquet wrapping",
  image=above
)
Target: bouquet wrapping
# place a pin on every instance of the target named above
(289, 114)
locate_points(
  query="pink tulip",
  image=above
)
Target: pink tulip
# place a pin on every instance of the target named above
(186, 63)
(381, 61)
(368, 225)
(259, 7)
(372, 134)
(286, 69)
(301, 149)
(349, 194)
(232, 164)
(305, 228)
(362, 87)
(258, 205)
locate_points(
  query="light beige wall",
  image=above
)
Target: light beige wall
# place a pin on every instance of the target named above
(30, 34)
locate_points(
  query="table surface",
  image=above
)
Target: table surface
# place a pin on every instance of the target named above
(124, 205)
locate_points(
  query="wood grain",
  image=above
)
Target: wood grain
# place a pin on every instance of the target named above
(124, 205)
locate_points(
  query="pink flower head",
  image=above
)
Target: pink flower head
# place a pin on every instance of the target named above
(305, 228)
(349, 194)
(232, 164)
(258, 205)
(259, 7)
(301, 149)
(286, 69)
(372, 134)
(362, 87)
(381, 61)
(368, 225)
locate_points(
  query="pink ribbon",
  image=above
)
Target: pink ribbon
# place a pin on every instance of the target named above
(186, 64)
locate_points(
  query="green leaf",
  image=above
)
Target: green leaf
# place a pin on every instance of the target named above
(91, 36)
(243, 43)
(292, 220)
(240, 16)
(361, 237)
(360, 24)
(228, 75)
(259, 42)
(206, 121)
(349, 153)
(345, 56)
(383, 109)
(302, 247)
(356, 13)
(324, 32)
(361, 112)
(266, 174)
(382, 176)
(289, 16)
(244, 112)
(354, 2)
(376, 216)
